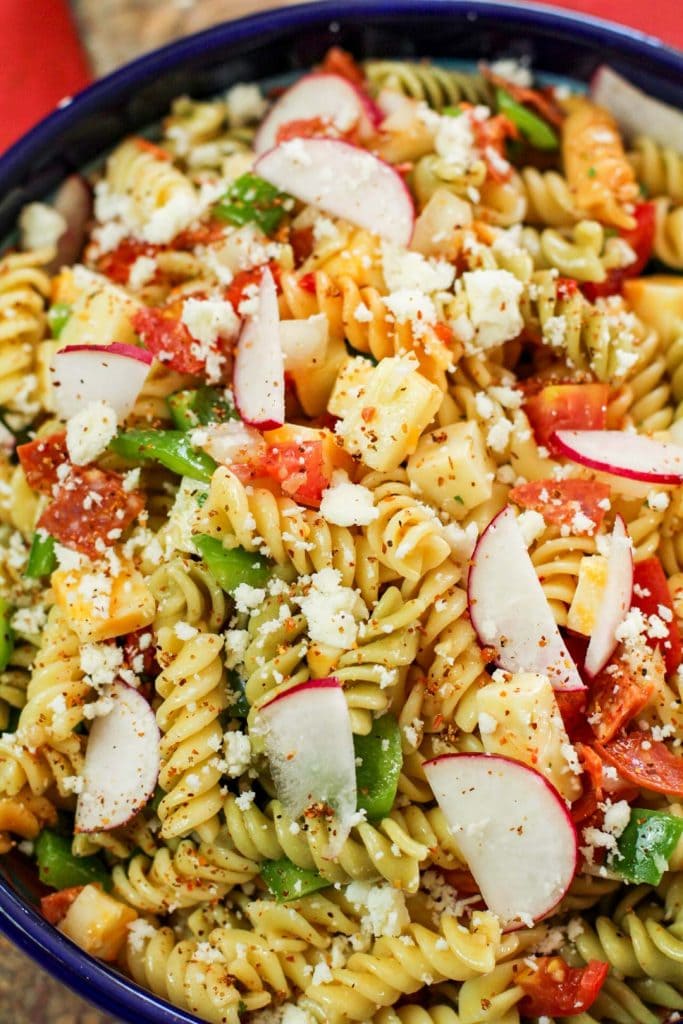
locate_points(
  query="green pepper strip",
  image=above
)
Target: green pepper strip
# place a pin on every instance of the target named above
(6, 634)
(286, 881)
(58, 868)
(57, 317)
(172, 448)
(232, 566)
(379, 761)
(42, 560)
(533, 128)
(250, 199)
(239, 705)
(645, 846)
(191, 409)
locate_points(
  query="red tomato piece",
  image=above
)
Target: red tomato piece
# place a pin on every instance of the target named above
(641, 239)
(55, 906)
(117, 263)
(566, 287)
(644, 762)
(235, 291)
(297, 466)
(553, 988)
(139, 652)
(87, 507)
(202, 234)
(307, 283)
(650, 593)
(567, 407)
(616, 697)
(168, 339)
(40, 460)
(339, 62)
(558, 501)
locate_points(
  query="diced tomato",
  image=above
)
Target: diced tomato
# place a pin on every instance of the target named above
(339, 62)
(165, 335)
(616, 697)
(298, 467)
(40, 460)
(117, 263)
(650, 594)
(554, 989)
(312, 128)
(572, 705)
(566, 287)
(88, 507)
(644, 762)
(55, 906)
(235, 292)
(641, 239)
(567, 407)
(307, 283)
(201, 234)
(558, 501)
(462, 880)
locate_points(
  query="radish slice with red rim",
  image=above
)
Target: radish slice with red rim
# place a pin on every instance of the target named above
(513, 829)
(509, 610)
(619, 453)
(345, 181)
(121, 763)
(615, 602)
(81, 374)
(309, 744)
(259, 375)
(635, 112)
(320, 95)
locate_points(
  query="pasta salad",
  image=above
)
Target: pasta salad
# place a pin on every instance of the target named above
(341, 554)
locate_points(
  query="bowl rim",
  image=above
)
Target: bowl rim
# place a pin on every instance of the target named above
(91, 979)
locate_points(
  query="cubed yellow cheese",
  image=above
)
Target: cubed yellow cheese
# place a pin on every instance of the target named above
(658, 300)
(519, 718)
(100, 318)
(383, 409)
(452, 468)
(97, 923)
(583, 611)
(100, 606)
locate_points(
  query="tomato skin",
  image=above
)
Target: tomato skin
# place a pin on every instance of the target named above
(653, 767)
(168, 339)
(564, 498)
(556, 989)
(116, 263)
(648, 575)
(567, 407)
(297, 466)
(55, 906)
(307, 283)
(235, 291)
(69, 519)
(641, 239)
(40, 459)
(566, 287)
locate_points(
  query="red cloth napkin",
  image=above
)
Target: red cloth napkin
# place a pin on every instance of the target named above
(43, 60)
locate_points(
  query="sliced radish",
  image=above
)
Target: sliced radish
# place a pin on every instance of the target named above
(512, 827)
(259, 377)
(616, 599)
(81, 374)
(309, 744)
(345, 181)
(230, 442)
(304, 342)
(509, 610)
(635, 111)
(320, 95)
(632, 456)
(121, 763)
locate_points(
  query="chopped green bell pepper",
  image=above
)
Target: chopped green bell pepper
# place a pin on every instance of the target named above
(288, 882)
(57, 866)
(534, 129)
(57, 317)
(191, 409)
(379, 760)
(452, 111)
(42, 560)
(172, 448)
(250, 199)
(232, 566)
(645, 845)
(239, 705)
(6, 634)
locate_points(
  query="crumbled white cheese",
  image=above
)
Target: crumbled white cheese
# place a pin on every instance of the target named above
(101, 663)
(237, 752)
(184, 631)
(412, 271)
(387, 913)
(332, 610)
(513, 70)
(321, 974)
(40, 226)
(347, 504)
(142, 272)
(531, 525)
(658, 500)
(245, 104)
(138, 933)
(493, 302)
(29, 621)
(454, 142)
(207, 320)
(247, 597)
(89, 432)
(236, 643)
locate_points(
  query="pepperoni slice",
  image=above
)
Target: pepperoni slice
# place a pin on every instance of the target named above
(651, 595)
(90, 508)
(616, 697)
(40, 460)
(168, 338)
(645, 762)
(559, 501)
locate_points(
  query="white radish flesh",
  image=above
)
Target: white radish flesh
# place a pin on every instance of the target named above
(616, 599)
(121, 763)
(259, 376)
(345, 181)
(513, 829)
(326, 96)
(509, 610)
(635, 112)
(81, 374)
(304, 342)
(309, 744)
(633, 456)
(230, 442)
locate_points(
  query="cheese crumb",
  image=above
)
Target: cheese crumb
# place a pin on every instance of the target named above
(347, 504)
(89, 432)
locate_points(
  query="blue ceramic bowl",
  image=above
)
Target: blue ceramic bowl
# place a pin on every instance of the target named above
(276, 43)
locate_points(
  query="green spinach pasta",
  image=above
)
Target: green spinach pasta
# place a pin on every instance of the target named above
(340, 564)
